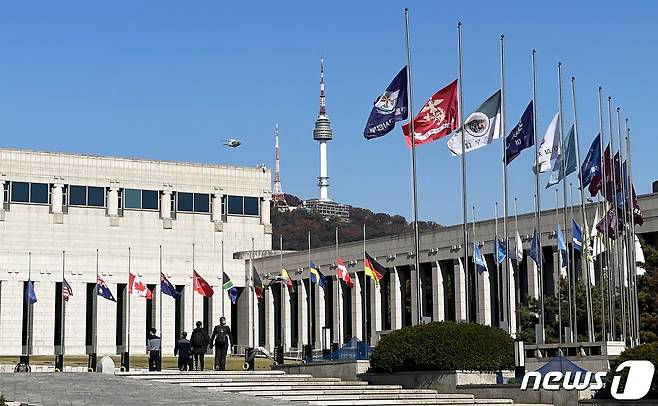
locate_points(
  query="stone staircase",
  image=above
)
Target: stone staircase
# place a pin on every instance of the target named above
(306, 389)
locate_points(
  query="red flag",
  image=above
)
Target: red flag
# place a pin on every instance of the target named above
(201, 286)
(438, 117)
(137, 288)
(344, 274)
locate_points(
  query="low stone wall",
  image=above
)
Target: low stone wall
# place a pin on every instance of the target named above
(514, 392)
(9, 368)
(345, 370)
(442, 381)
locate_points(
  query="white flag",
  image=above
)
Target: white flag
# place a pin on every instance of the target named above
(482, 127)
(549, 149)
(518, 247)
(639, 257)
(597, 246)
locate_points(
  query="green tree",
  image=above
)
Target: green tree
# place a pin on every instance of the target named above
(647, 295)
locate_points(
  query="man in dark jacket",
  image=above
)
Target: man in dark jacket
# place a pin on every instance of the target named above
(221, 337)
(200, 342)
(153, 344)
(182, 349)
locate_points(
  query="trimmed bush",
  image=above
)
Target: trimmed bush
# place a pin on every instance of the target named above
(444, 346)
(648, 352)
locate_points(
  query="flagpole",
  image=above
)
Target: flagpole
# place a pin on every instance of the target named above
(63, 320)
(339, 296)
(160, 295)
(633, 267)
(413, 171)
(571, 272)
(281, 296)
(475, 273)
(254, 313)
(559, 279)
(508, 275)
(309, 296)
(538, 201)
(622, 274)
(30, 284)
(630, 243)
(601, 204)
(463, 166)
(95, 341)
(222, 262)
(615, 255)
(193, 287)
(127, 349)
(572, 261)
(501, 296)
(365, 286)
(583, 258)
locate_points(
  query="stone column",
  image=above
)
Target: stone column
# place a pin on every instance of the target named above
(357, 307)
(533, 278)
(165, 204)
(396, 299)
(167, 332)
(265, 214)
(2, 192)
(302, 314)
(286, 319)
(438, 302)
(75, 317)
(113, 201)
(337, 309)
(269, 318)
(460, 290)
(319, 315)
(414, 276)
(217, 205)
(557, 272)
(484, 293)
(11, 316)
(106, 316)
(137, 320)
(512, 295)
(376, 311)
(43, 316)
(56, 198)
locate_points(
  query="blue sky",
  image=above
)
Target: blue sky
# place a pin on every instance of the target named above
(170, 80)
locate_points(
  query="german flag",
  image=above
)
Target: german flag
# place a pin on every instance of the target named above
(373, 269)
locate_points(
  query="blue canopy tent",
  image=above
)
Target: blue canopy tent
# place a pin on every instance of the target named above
(562, 364)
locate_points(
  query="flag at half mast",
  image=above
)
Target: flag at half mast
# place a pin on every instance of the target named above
(230, 288)
(373, 269)
(481, 127)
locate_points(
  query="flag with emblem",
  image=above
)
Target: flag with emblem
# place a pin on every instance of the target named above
(480, 128)
(534, 249)
(549, 148)
(565, 164)
(500, 251)
(390, 107)
(373, 269)
(230, 288)
(522, 135)
(67, 290)
(478, 259)
(577, 238)
(137, 288)
(103, 290)
(437, 118)
(591, 166)
(343, 273)
(201, 286)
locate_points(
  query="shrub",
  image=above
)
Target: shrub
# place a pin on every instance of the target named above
(647, 352)
(444, 346)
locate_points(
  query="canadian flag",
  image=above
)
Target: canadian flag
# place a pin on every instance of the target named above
(343, 274)
(137, 287)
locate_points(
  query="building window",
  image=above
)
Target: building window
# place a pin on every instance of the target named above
(78, 196)
(133, 199)
(243, 206)
(251, 206)
(185, 201)
(20, 192)
(150, 200)
(201, 203)
(38, 193)
(6, 194)
(95, 196)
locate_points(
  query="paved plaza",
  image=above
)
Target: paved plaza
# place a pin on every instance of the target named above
(47, 389)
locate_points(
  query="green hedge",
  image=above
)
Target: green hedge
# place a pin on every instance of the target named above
(647, 352)
(444, 346)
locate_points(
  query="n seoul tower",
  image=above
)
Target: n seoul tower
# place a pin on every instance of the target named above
(322, 133)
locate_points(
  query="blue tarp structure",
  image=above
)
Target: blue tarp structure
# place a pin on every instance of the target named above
(352, 350)
(562, 364)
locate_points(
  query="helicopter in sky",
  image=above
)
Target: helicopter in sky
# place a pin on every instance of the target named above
(232, 143)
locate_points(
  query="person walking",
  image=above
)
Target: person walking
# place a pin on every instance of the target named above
(153, 346)
(200, 342)
(182, 349)
(221, 337)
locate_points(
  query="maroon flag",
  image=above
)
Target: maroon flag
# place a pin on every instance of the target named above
(438, 117)
(610, 225)
(201, 286)
(597, 181)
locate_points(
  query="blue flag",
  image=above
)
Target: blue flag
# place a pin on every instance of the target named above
(522, 135)
(103, 290)
(577, 236)
(478, 259)
(534, 249)
(591, 166)
(316, 275)
(168, 288)
(390, 107)
(500, 251)
(30, 295)
(568, 156)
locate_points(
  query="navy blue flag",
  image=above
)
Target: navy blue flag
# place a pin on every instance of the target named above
(169, 289)
(103, 290)
(30, 294)
(577, 238)
(500, 251)
(591, 166)
(522, 135)
(390, 107)
(534, 249)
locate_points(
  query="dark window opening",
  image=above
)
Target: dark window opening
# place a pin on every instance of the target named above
(251, 206)
(95, 196)
(235, 204)
(185, 201)
(20, 192)
(121, 320)
(59, 320)
(78, 196)
(132, 199)
(38, 193)
(201, 203)
(90, 316)
(150, 200)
